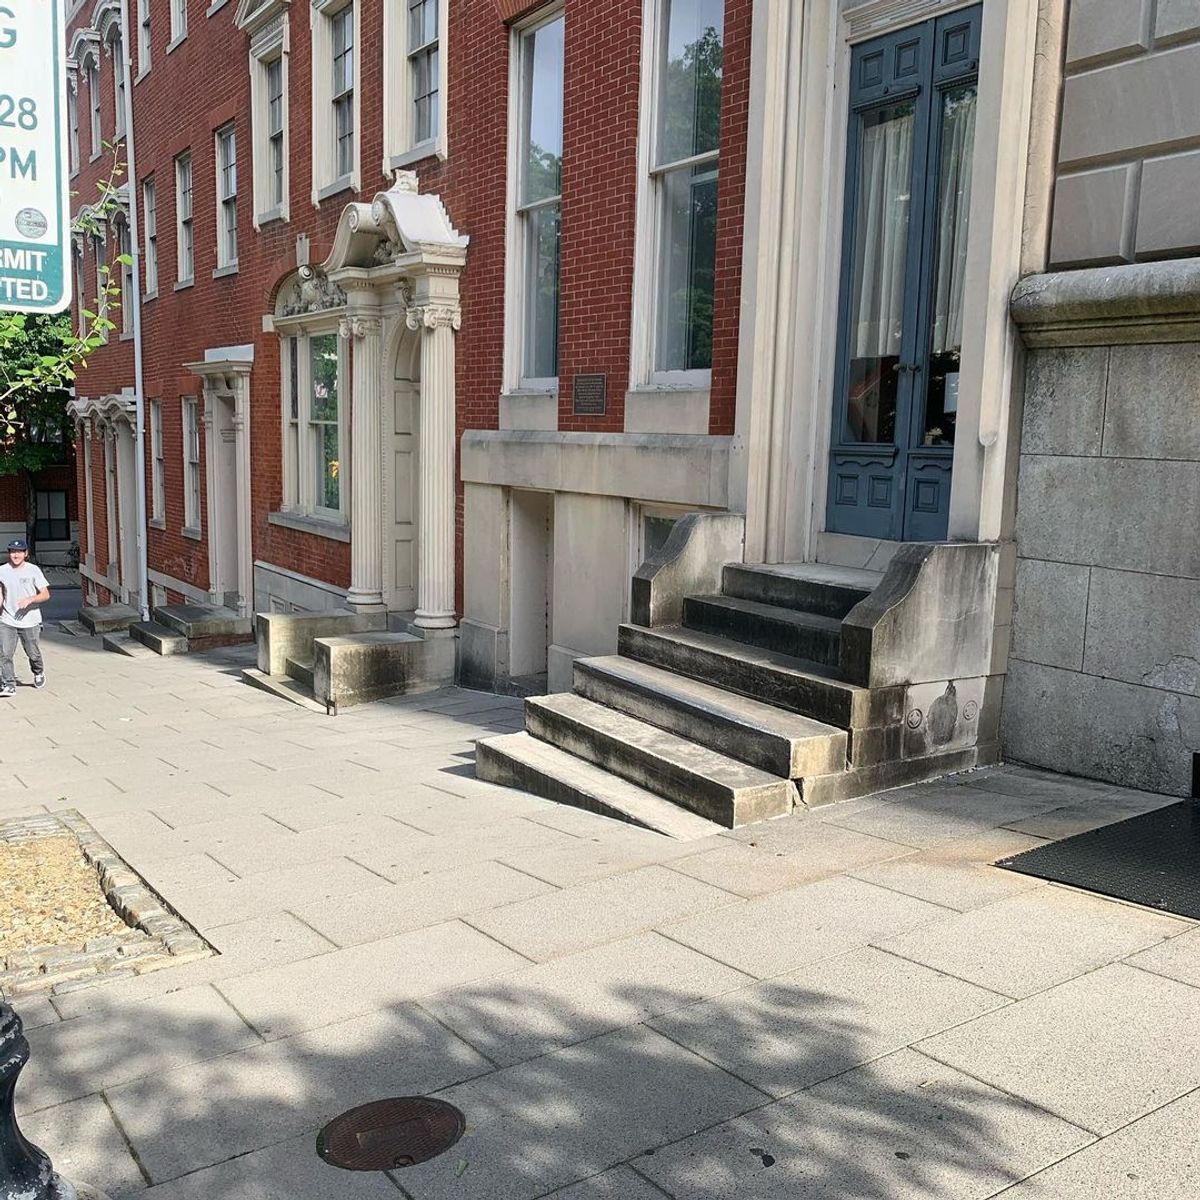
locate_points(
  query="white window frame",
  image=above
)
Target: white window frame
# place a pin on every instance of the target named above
(125, 251)
(192, 494)
(150, 235)
(77, 256)
(144, 37)
(100, 261)
(96, 128)
(400, 145)
(185, 223)
(179, 23)
(116, 47)
(225, 164)
(73, 123)
(267, 47)
(300, 482)
(644, 373)
(326, 180)
(158, 490)
(516, 288)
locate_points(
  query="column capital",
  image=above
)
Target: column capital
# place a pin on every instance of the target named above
(434, 316)
(356, 328)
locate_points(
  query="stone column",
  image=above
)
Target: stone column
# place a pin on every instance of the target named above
(438, 319)
(365, 334)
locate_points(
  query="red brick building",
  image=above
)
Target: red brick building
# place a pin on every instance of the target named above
(583, 159)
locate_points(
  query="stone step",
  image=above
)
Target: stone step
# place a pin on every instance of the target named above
(773, 678)
(284, 688)
(715, 786)
(122, 643)
(107, 618)
(802, 635)
(806, 587)
(772, 739)
(159, 638)
(301, 670)
(521, 761)
(196, 621)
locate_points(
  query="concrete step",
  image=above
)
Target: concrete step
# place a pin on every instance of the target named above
(301, 670)
(283, 687)
(158, 638)
(122, 643)
(521, 761)
(107, 618)
(765, 675)
(74, 628)
(715, 786)
(800, 634)
(807, 587)
(772, 739)
(199, 621)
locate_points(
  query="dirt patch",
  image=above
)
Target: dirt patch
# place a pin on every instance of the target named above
(51, 896)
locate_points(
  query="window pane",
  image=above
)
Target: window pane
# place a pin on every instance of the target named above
(422, 23)
(689, 260)
(950, 264)
(541, 317)
(691, 80)
(324, 350)
(323, 417)
(328, 467)
(879, 269)
(542, 68)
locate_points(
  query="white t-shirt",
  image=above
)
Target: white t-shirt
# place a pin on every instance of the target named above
(19, 582)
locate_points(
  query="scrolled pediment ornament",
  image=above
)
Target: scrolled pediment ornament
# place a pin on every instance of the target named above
(313, 291)
(434, 316)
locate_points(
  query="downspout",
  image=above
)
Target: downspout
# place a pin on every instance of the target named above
(135, 251)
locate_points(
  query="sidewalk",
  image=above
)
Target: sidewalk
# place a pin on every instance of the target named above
(849, 1003)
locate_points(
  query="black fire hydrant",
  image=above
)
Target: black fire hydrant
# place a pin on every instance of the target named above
(26, 1173)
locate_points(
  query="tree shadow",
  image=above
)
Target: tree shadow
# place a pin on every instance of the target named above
(557, 1085)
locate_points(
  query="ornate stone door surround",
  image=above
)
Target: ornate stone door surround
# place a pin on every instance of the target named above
(399, 259)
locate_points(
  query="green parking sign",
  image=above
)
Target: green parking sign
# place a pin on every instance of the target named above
(34, 225)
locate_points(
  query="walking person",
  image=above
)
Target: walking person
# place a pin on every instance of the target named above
(23, 589)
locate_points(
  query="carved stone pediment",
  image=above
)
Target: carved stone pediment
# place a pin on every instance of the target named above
(311, 291)
(253, 15)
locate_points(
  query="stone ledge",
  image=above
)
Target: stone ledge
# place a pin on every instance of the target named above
(1104, 306)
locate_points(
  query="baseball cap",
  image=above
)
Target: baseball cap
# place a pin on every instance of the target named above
(18, 544)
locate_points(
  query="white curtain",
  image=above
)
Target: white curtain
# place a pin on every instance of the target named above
(884, 206)
(954, 208)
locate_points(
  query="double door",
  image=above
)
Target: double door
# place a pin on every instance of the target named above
(913, 100)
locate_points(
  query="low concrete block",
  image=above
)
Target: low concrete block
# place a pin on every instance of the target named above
(290, 635)
(359, 668)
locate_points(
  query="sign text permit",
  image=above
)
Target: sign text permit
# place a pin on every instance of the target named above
(34, 228)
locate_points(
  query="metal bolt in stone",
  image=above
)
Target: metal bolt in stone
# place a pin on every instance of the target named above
(26, 1172)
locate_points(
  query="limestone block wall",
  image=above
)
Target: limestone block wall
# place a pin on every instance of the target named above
(1104, 673)
(1129, 150)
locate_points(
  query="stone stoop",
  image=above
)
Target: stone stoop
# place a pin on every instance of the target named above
(783, 686)
(107, 618)
(183, 628)
(328, 661)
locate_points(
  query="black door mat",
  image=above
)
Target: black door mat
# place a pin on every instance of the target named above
(1152, 859)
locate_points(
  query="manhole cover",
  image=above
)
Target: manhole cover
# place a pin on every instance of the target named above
(387, 1134)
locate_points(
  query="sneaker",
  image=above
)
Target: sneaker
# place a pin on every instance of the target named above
(7, 689)
(39, 680)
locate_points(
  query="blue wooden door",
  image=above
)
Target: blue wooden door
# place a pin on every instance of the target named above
(908, 190)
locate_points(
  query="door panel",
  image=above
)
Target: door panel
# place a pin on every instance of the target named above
(908, 190)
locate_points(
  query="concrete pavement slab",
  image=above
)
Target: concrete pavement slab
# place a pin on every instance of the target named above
(1100, 1050)
(1155, 1158)
(599, 911)
(1030, 942)
(82, 1056)
(1066, 821)
(283, 1172)
(957, 874)
(393, 908)
(86, 1146)
(781, 932)
(572, 1114)
(243, 948)
(343, 983)
(753, 867)
(545, 1007)
(623, 1183)
(1177, 958)
(183, 1121)
(903, 1128)
(791, 1032)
